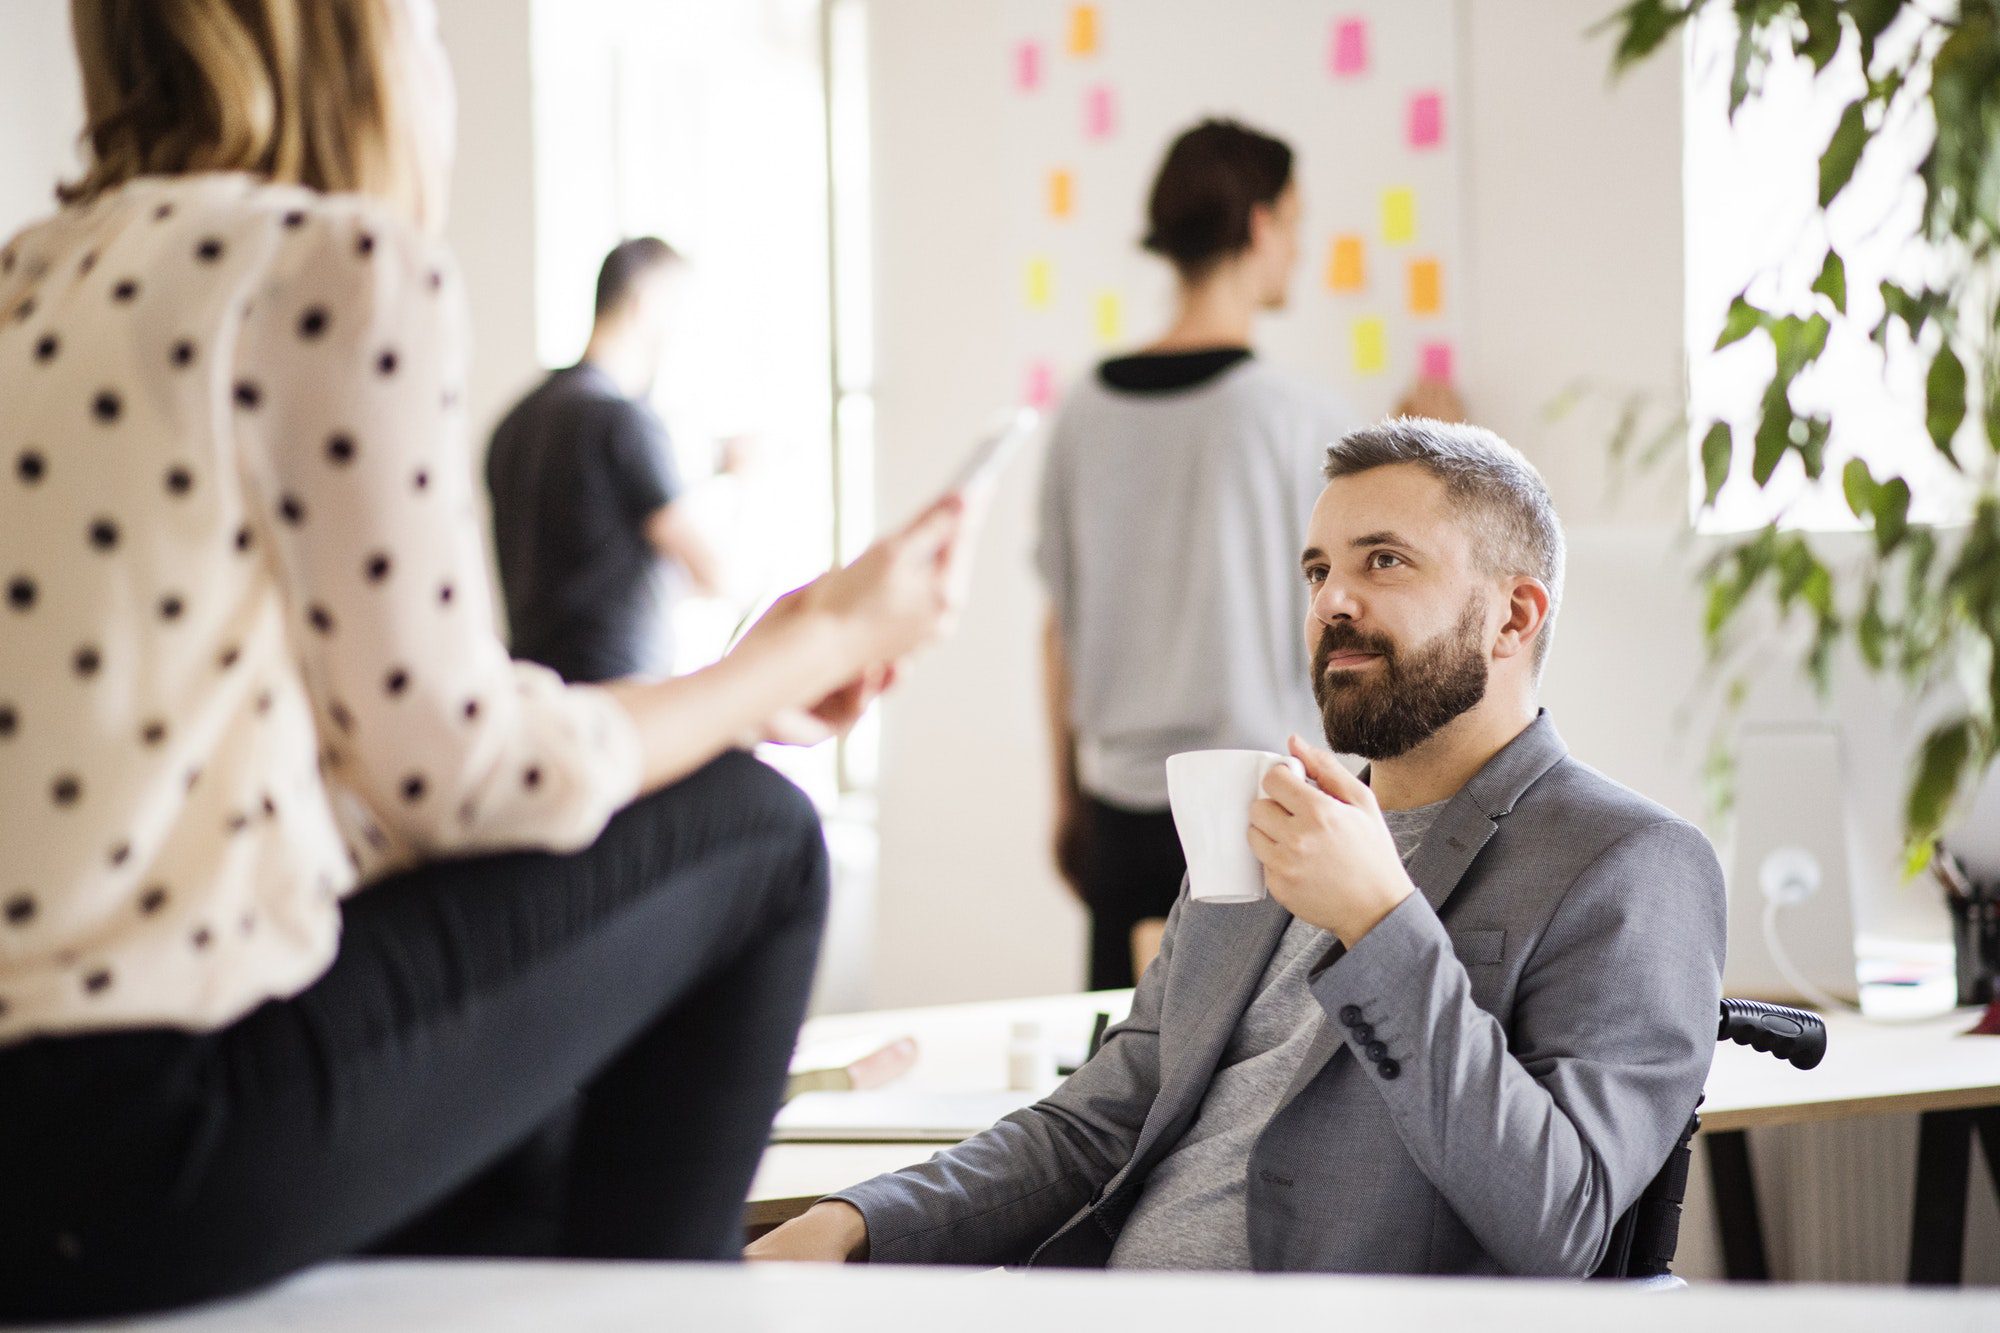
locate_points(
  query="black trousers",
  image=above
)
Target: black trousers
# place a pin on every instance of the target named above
(1132, 869)
(646, 991)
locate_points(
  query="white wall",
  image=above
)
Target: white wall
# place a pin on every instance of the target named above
(41, 109)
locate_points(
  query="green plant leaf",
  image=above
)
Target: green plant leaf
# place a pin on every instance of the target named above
(1843, 150)
(1891, 510)
(1739, 70)
(1870, 18)
(1809, 437)
(1774, 434)
(1941, 765)
(1642, 26)
(1822, 20)
(1944, 399)
(1742, 320)
(1716, 448)
(1857, 484)
(1832, 281)
(1871, 631)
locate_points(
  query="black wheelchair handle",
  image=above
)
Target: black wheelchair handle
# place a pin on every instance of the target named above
(1797, 1035)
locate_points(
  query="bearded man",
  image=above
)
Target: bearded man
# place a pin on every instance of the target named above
(1471, 1019)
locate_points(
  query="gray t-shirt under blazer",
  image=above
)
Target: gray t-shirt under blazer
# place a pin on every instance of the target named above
(1170, 532)
(1194, 1213)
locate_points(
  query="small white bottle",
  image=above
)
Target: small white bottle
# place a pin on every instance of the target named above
(1031, 1065)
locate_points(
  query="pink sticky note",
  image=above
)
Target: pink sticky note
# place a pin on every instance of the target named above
(1039, 390)
(1350, 47)
(1437, 361)
(1028, 66)
(1100, 112)
(1426, 120)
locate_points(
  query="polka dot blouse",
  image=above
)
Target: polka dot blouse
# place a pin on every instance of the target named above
(247, 652)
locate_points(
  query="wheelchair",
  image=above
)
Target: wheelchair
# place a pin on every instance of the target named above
(1643, 1243)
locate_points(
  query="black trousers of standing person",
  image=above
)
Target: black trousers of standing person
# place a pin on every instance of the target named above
(1132, 866)
(649, 988)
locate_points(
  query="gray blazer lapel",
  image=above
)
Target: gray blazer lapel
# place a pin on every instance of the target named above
(1459, 834)
(1237, 949)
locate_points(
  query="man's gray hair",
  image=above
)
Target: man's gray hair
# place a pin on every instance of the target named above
(1514, 523)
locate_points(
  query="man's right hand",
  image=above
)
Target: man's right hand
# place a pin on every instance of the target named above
(830, 1232)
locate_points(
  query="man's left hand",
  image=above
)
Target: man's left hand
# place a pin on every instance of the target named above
(1328, 856)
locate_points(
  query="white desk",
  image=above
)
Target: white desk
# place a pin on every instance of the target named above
(1925, 1069)
(488, 1297)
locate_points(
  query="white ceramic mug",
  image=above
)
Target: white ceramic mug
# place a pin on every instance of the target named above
(1211, 792)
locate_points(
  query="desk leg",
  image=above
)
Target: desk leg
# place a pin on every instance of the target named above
(1736, 1214)
(1937, 1228)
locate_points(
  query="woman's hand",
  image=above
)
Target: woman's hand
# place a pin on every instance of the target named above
(902, 593)
(832, 716)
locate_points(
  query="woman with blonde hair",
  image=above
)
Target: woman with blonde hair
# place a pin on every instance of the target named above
(313, 905)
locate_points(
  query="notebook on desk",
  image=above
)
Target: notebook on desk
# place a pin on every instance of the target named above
(894, 1115)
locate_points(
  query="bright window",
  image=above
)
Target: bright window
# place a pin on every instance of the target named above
(1750, 217)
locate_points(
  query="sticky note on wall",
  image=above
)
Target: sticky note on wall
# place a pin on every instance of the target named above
(1349, 55)
(1038, 389)
(1109, 317)
(1028, 66)
(1425, 287)
(1083, 30)
(1426, 121)
(1371, 346)
(1041, 284)
(1436, 360)
(1100, 112)
(1399, 215)
(1346, 267)
(1062, 193)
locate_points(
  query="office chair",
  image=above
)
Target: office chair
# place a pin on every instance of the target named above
(1643, 1243)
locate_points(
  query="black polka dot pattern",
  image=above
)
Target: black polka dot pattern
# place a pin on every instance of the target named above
(329, 342)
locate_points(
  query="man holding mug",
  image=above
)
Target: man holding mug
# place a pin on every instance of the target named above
(1468, 1022)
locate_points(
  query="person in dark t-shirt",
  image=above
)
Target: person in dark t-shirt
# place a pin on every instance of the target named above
(587, 502)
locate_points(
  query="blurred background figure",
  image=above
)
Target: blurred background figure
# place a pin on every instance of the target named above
(590, 515)
(1174, 505)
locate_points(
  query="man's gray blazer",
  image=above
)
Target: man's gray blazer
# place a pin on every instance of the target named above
(1504, 1063)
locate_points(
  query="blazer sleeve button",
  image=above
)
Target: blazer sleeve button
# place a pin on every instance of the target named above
(1377, 1051)
(1389, 1068)
(1350, 1014)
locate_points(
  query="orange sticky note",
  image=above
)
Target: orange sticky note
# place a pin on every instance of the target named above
(1083, 30)
(1371, 346)
(1041, 284)
(1399, 215)
(1062, 193)
(1345, 269)
(1424, 287)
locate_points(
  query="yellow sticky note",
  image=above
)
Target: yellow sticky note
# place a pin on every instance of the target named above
(1345, 270)
(1424, 287)
(1041, 284)
(1083, 30)
(1109, 318)
(1371, 346)
(1399, 215)
(1062, 194)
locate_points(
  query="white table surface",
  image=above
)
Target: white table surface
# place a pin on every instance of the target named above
(446, 1297)
(1871, 1068)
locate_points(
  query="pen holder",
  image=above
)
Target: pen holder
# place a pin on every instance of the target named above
(1975, 922)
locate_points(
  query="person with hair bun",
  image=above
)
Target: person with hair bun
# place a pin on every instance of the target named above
(1176, 492)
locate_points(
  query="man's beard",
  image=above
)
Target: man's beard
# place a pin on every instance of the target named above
(1388, 710)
